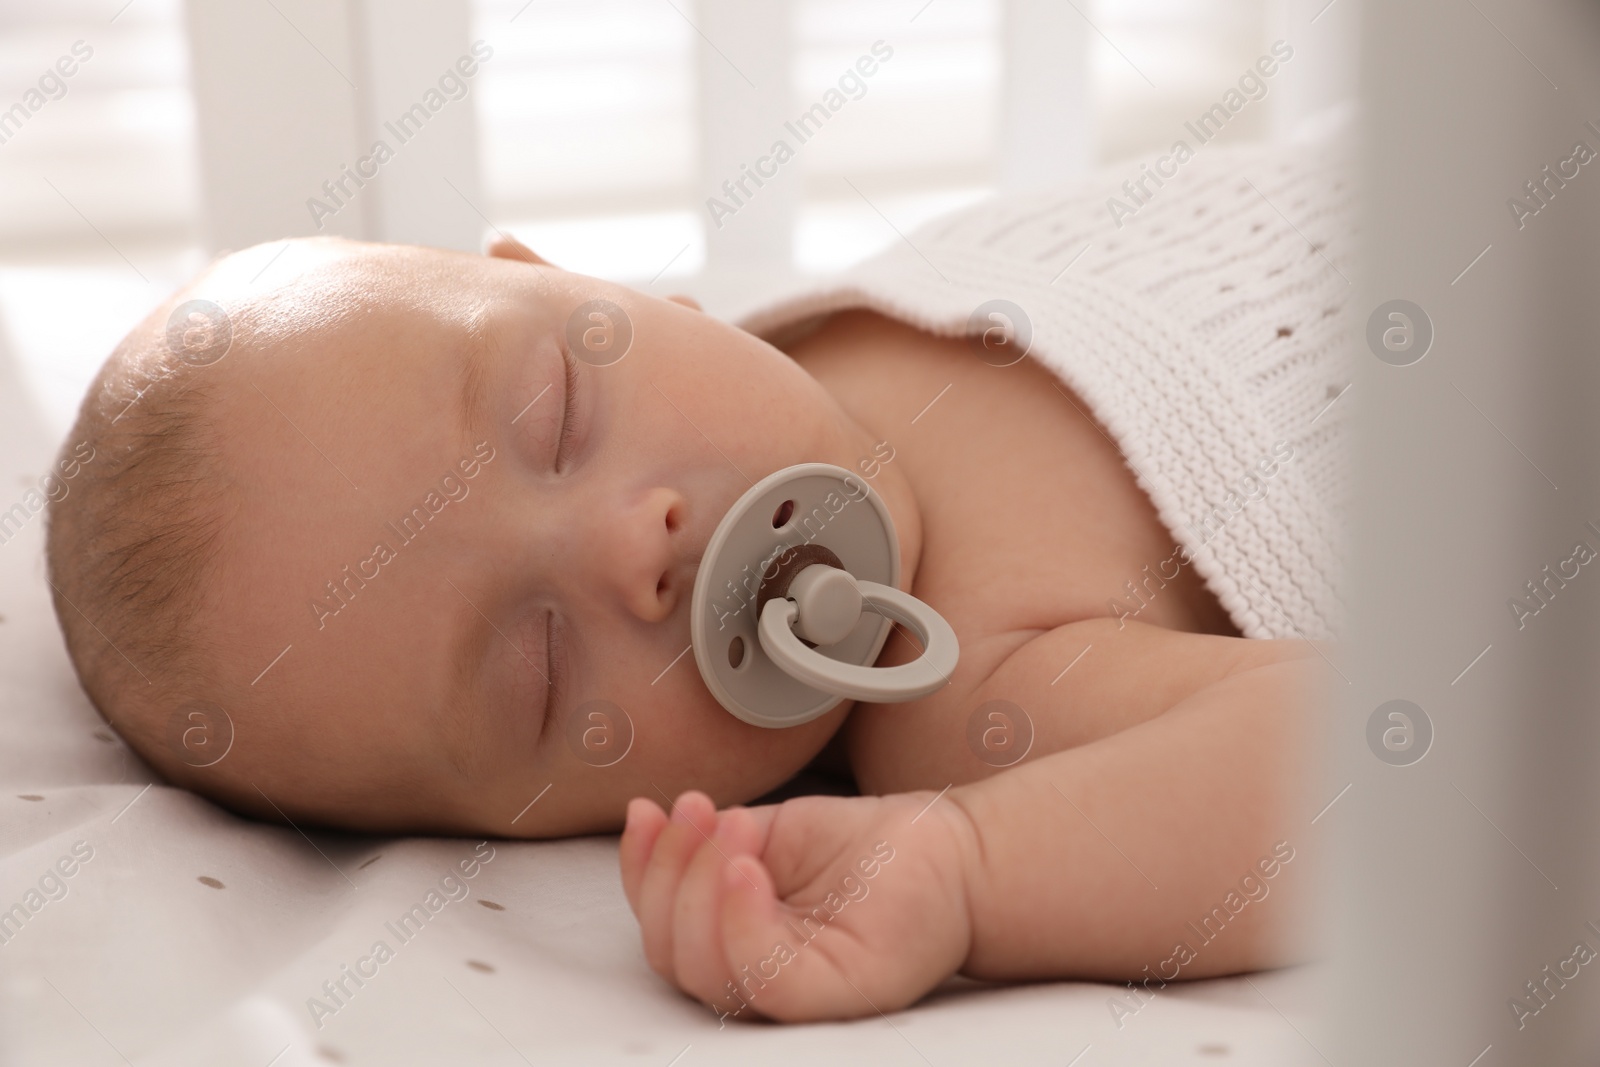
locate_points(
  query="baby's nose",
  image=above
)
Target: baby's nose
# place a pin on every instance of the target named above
(644, 555)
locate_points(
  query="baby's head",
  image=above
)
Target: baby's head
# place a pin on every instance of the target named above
(391, 538)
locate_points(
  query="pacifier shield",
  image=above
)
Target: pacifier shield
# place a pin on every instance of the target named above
(790, 517)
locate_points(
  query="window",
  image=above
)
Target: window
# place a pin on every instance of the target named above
(590, 141)
(589, 114)
(97, 184)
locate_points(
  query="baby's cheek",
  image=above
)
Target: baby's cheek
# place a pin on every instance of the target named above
(750, 761)
(682, 729)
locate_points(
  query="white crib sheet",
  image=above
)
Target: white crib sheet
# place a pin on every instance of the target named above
(191, 936)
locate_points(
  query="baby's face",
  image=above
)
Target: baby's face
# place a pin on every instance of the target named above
(477, 540)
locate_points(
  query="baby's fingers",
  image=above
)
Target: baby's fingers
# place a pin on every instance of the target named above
(639, 836)
(693, 821)
(700, 965)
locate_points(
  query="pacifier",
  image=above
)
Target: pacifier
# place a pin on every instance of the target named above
(795, 598)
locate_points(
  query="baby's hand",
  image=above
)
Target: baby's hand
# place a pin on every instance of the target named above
(817, 908)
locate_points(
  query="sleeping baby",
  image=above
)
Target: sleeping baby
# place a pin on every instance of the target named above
(373, 531)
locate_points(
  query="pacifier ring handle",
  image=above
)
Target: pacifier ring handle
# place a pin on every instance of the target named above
(879, 685)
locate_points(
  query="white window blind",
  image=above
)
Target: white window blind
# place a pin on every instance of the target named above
(98, 195)
(589, 117)
(586, 118)
(1156, 63)
(922, 137)
(114, 140)
(592, 130)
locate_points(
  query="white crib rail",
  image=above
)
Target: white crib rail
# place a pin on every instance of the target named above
(277, 120)
(1463, 876)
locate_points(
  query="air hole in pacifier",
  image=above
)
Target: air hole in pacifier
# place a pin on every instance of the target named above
(736, 652)
(784, 513)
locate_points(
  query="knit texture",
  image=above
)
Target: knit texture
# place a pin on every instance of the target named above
(1208, 334)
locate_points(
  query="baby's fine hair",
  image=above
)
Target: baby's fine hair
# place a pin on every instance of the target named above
(130, 543)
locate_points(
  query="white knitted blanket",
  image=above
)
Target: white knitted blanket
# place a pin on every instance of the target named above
(1207, 333)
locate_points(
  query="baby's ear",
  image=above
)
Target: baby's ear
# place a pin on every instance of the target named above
(504, 246)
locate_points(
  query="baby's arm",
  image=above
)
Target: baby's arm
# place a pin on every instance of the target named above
(1094, 861)
(1027, 874)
